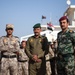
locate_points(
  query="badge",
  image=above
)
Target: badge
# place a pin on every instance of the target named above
(40, 40)
(71, 31)
(31, 40)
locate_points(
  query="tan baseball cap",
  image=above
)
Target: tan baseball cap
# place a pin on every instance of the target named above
(9, 26)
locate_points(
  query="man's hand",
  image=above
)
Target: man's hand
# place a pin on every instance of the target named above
(35, 58)
(38, 60)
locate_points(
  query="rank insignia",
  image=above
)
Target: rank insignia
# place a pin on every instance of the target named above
(71, 31)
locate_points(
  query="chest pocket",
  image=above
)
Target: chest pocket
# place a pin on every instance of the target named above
(5, 41)
(12, 42)
(31, 41)
(35, 43)
(9, 42)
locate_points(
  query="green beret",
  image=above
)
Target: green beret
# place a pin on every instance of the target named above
(38, 25)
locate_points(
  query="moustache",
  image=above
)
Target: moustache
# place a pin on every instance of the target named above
(36, 32)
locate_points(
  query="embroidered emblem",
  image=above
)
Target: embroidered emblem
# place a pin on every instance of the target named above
(31, 40)
(71, 31)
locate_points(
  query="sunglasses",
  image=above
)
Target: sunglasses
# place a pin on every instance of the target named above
(9, 29)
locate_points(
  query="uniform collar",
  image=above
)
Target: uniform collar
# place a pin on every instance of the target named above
(38, 37)
(66, 30)
(7, 36)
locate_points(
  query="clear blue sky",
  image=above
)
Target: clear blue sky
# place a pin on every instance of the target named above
(25, 13)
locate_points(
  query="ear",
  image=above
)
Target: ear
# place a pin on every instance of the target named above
(68, 23)
(40, 30)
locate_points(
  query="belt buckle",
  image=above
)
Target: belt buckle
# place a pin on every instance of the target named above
(9, 56)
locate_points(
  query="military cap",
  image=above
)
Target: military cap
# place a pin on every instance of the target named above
(63, 18)
(38, 25)
(23, 41)
(9, 26)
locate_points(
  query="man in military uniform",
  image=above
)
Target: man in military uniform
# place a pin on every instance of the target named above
(37, 47)
(23, 60)
(48, 57)
(9, 46)
(54, 59)
(66, 43)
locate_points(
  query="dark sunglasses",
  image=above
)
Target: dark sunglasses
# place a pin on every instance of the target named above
(9, 29)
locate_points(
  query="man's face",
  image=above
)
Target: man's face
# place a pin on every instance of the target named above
(64, 24)
(37, 31)
(23, 44)
(9, 31)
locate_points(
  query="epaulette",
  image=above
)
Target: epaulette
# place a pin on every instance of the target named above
(71, 31)
(43, 36)
(16, 36)
(2, 36)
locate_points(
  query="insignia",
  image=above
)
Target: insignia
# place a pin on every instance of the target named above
(31, 40)
(40, 40)
(4, 40)
(71, 31)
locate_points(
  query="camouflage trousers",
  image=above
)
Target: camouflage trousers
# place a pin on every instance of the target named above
(23, 68)
(48, 68)
(65, 65)
(9, 65)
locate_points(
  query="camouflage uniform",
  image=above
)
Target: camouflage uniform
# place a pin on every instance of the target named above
(54, 59)
(48, 57)
(39, 47)
(65, 63)
(23, 63)
(9, 47)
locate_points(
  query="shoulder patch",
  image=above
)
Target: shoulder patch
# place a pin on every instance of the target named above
(3, 36)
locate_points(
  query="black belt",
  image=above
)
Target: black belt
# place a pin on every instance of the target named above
(47, 60)
(22, 60)
(8, 56)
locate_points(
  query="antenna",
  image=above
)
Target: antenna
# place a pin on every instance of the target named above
(50, 17)
(68, 2)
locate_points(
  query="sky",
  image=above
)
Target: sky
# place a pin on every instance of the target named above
(24, 14)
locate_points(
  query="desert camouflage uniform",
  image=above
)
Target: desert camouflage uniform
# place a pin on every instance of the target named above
(54, 59)
(48, 57)
(9, 47)
(65, 49)
(23, 63)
